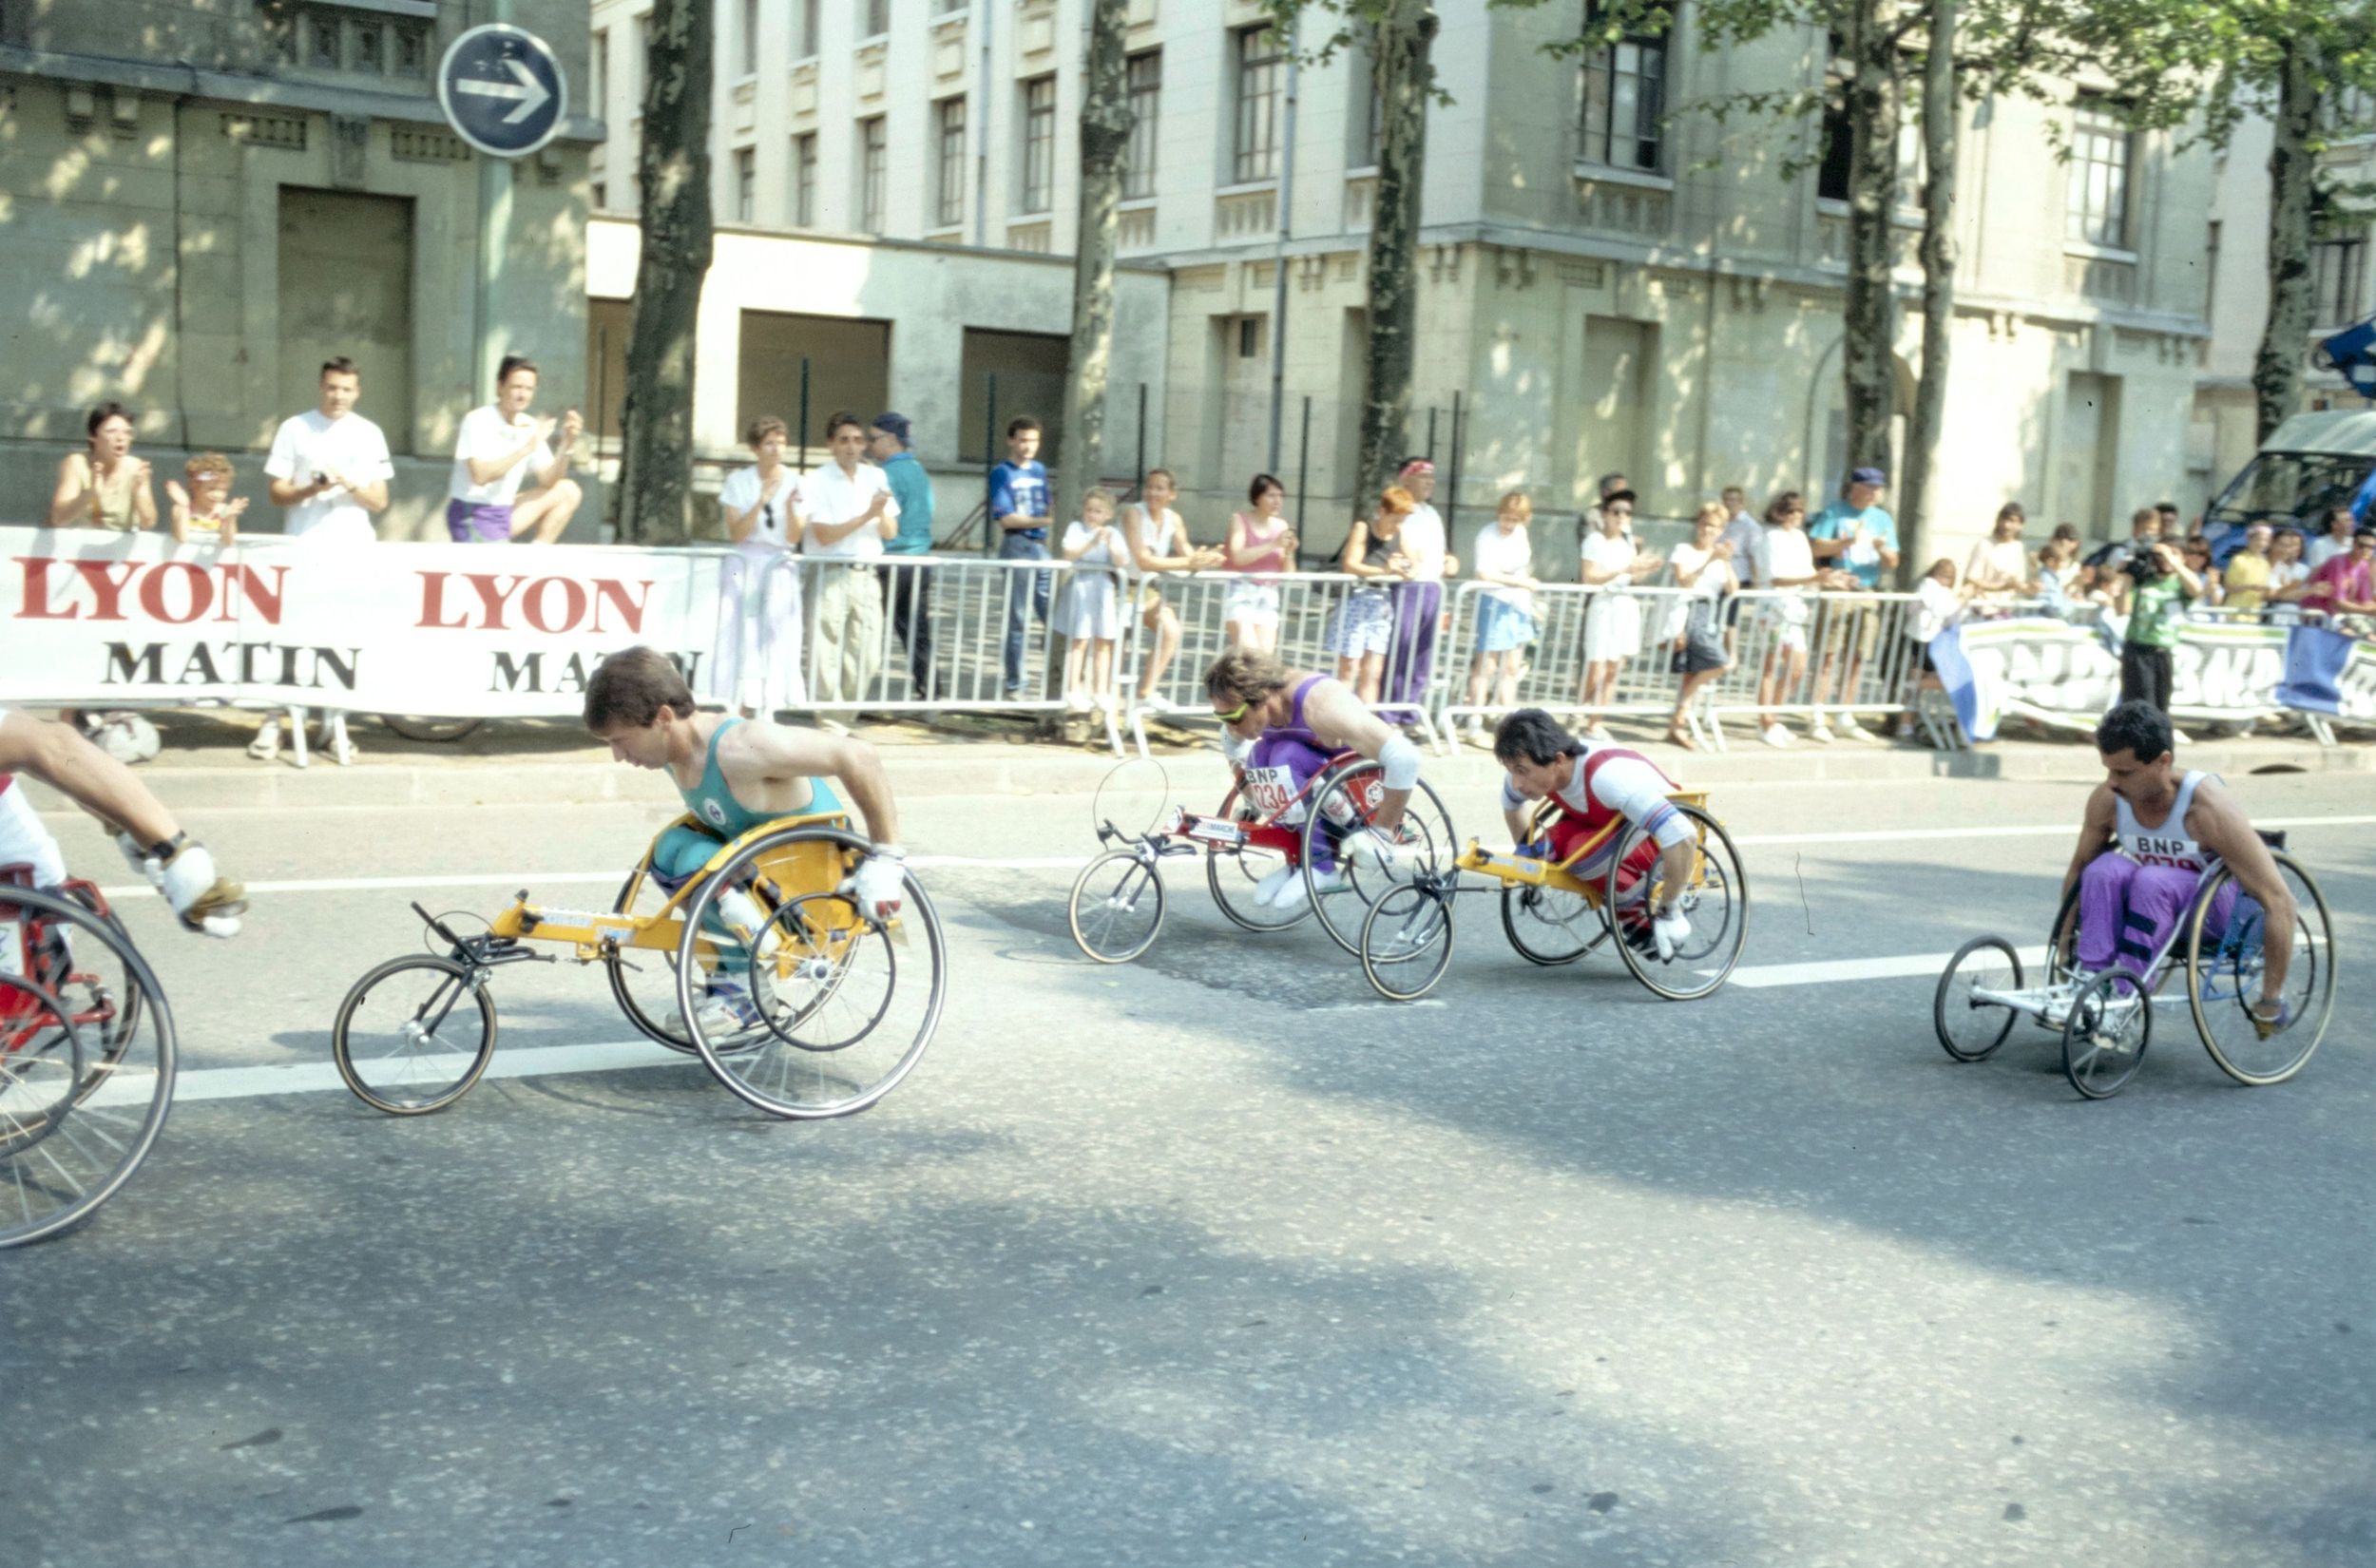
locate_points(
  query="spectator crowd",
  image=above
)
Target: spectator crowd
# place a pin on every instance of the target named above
(822, 560)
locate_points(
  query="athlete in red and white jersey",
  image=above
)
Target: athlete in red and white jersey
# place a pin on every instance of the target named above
(144, 830)
(1599, 788)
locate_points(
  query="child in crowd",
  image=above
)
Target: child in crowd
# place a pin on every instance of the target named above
(205, 513)
(1694, 624)
(1505, 611)
(1939, 603)
(1090, 619)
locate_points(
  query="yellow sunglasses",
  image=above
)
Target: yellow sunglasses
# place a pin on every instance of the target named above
(1234, 714)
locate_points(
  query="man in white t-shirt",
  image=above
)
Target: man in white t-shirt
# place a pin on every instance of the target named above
(329, 470)
(329, 465)
(511, 478)
(847, 510)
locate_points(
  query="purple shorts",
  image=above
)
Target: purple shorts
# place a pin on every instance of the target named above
(470, 522)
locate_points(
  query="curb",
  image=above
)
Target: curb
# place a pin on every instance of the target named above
(930, 772)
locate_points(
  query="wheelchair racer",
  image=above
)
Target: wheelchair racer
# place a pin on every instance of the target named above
(736, 774)
(1599, 787)
(2166, 823)
(1279, 728)
(154, 843)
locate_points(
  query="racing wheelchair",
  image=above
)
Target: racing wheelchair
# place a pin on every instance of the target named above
(1117, 906)
(2106, 1019)
(86, 1056)
(840, 1008)
(1554, 915)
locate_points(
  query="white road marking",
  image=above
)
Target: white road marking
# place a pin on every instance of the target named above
(310, 1077)
(1065, 862)
(1762, 976)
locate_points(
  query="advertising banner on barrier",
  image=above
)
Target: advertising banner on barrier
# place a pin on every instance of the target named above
(453, 630)
(2057, 672)
(2330, 673)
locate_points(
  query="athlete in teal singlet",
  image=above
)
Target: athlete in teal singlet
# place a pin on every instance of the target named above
(736, 774)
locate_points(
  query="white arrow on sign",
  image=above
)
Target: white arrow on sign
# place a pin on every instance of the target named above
(529, 93)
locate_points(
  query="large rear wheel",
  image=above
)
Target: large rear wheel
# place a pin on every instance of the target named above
(2227, 962)
(1345, 802)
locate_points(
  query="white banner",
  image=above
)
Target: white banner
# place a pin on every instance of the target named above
(92, 618)
(2050, 669)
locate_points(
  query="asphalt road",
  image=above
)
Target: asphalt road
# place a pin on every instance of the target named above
(1216, 1258)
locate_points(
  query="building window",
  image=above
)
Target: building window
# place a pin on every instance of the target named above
(945, 7)
(1038, 144)
(746, 184)
(873, 18)
(602, 197)
(598, 75)
(1365, 111)
(412, 49)
(368, 48)
(1625, 101)
(804, 46)
(1836, 172)
(747, 40)
(1146, 94)
(323, 41)
(2338, 280)
(2097, 201)
(948, 174)
(804, 181)
(1260, 69)
(637, 62)
(872, 162)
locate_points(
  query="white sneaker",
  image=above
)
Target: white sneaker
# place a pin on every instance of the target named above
(1156, 704)
(1855, 731)
(1819, 732)
(725, 1010)
(1775, 735)
(1266, 891)
(267, 742)
(1296, 896)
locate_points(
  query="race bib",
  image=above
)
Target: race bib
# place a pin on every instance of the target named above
(1270, 790)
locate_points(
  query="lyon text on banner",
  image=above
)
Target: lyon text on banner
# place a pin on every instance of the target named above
(462, 630)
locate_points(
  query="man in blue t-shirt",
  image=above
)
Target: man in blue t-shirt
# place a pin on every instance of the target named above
(1019, 506)
(1859, 536)
(907, 588)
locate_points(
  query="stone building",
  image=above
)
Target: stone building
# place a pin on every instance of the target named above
(202, 200)
(1600, 289)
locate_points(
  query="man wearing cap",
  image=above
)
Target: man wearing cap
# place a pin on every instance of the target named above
(907, 588)
(1419, 600)
(1857, 535)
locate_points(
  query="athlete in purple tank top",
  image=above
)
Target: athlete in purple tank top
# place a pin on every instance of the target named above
(2149, 834)
(1281, 726)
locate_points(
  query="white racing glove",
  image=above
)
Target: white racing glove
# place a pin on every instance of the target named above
(1371, 851)
(141, 860)
(204, 901)
(874, 887)
(1670, 931)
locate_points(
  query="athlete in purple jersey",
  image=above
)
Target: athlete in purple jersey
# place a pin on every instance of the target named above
(1282, 726)
(2148, 835)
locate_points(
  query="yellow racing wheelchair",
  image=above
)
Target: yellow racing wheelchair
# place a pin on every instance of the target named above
(1554, 914)
(837, 1008)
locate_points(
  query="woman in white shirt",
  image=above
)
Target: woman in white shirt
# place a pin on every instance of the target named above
(1611, 565)
(1786, 565)
(755, 665)
(1937, 604)
(509, 473)
(1505, 610)
(2288, 572)
(1695, 627)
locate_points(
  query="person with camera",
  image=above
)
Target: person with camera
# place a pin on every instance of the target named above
(2154, 587)
(329, 470)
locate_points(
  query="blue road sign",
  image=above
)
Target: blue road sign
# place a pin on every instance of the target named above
(502, 90)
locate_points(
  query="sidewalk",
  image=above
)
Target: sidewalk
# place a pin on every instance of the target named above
(529, 761)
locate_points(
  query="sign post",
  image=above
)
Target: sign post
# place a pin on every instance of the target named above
(503, 92)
